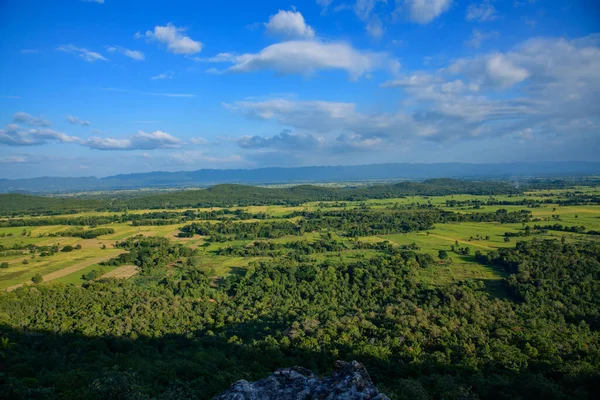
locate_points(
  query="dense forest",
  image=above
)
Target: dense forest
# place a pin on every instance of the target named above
(239, 195)
(175, 331)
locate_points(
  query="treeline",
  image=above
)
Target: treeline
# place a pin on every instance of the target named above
(240, 195)
(175, 332)
(351, 223)
(151, 218)
(530, 203)
(84, 233)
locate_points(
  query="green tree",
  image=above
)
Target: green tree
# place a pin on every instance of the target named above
(442, 254)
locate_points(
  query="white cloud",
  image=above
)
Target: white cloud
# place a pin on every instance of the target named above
(485, 11)
(15, 135)
(133, 54)
(306, 57)
(545, 87)
(504, 71)
(425, 11)
(289, 24)
(77, 121)
(85, 54)
(198, 140)
(93, 1)
(418, 79)
(164, 75)
(51, 134)
(22, 117)
(139, 141)
(478, 37)
(175, 39)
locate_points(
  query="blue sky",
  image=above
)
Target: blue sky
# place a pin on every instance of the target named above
(118, 86)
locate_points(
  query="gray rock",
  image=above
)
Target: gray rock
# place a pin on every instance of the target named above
(349, 380)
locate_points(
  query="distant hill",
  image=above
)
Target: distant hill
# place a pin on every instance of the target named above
(389, 172)
(227, 195)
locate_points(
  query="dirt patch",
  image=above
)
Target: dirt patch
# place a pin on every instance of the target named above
(123, 272)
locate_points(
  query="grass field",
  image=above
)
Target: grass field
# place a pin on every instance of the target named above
(68, 267)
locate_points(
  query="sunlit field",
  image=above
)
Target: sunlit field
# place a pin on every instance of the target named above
(69, 267)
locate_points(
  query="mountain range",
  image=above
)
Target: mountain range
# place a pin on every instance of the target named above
(316, 174)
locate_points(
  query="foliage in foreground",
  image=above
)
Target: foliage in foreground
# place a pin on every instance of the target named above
(175, 332)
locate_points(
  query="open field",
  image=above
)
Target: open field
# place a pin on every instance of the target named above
(68, 267)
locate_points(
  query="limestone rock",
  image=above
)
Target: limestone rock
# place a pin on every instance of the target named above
(349, 380)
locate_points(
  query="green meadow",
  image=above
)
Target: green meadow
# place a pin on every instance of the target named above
(478, 236)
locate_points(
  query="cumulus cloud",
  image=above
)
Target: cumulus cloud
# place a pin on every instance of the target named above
(51, 134)
(307, 56)
(85, 54)
(497, 69)
(139, 141)
(544, 86)
(133, 54)
(425, 11)
(175, 39)
(77, 121)
(284, 139)
(484, 11)
(24, 118)
(15, 135)
(289, 24)
(504, 71)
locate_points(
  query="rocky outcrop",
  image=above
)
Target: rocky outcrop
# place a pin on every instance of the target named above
(349, 380)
